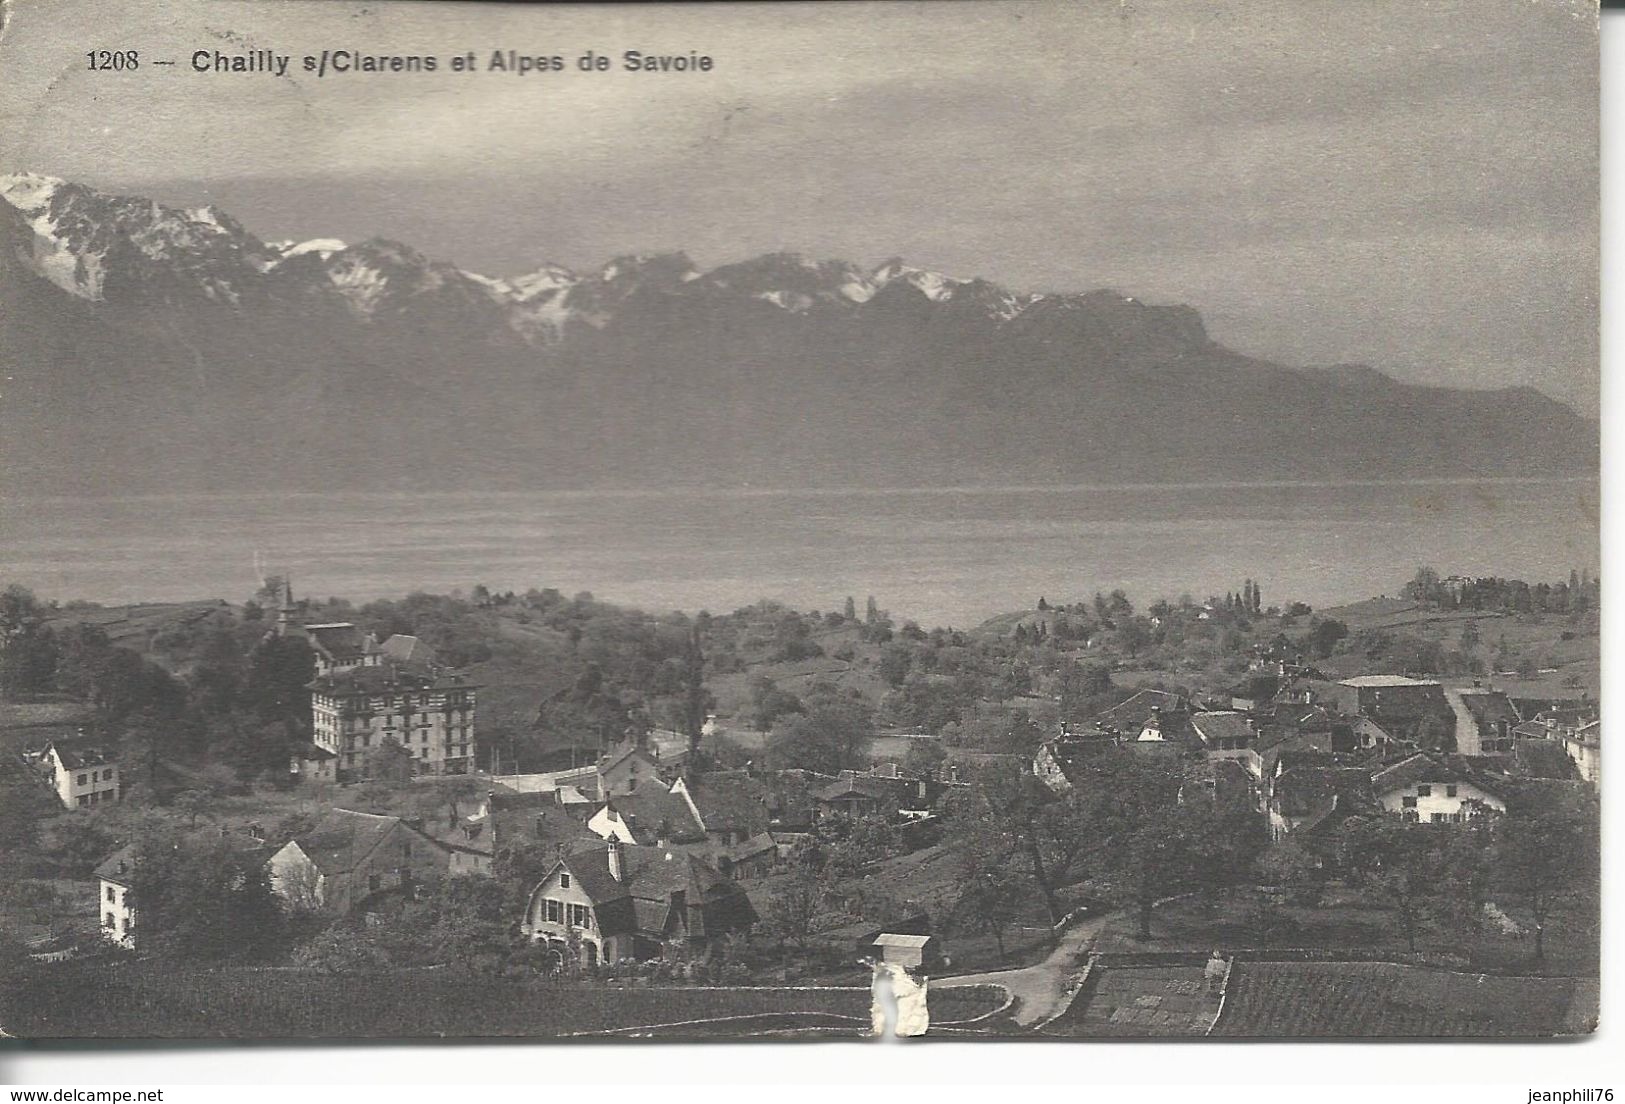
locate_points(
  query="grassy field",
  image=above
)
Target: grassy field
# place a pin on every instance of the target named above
(150, 1000)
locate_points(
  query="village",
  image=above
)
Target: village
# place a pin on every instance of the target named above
(1280, 832)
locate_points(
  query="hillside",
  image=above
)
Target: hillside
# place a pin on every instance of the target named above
(152, 348)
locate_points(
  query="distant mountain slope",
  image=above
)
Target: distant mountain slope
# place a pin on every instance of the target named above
(151, 348)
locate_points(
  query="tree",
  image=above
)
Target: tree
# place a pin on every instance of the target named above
(458, 924)
(924, 758)
(1134, 633)
(148, 738)
(792, 913)
(894, 663)
(204, 901)
(1549, 860)
(28, 660)
(1424, 587)
(218, 674)
(1008, 812)
(274, 686)
(696, 701)
(1467, 867)
(1324, 635)
(832, 735)
(1469, 637)
(389, 761)
(769, 702)
(344, 948)
(19, 609)
(850, 612)
(1399, 863)
(991, 891)
(191, 804)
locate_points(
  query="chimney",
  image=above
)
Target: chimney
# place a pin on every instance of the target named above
(614, 856)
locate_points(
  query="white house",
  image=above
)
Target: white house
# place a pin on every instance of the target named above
(1583, 744)
(614, 902)
(114, 876)
(1423, 789)
(81, 777)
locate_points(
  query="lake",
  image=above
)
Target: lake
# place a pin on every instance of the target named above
(944, 556)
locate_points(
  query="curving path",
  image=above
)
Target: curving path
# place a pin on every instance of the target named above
(1041, 990)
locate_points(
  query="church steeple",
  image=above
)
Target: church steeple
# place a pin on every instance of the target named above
(287, 614)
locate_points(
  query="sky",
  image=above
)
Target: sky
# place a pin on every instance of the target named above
(1405, 184)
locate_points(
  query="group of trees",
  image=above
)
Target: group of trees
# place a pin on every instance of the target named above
(1448, 883)
(829, 733)
(1136, 827)
(1578, 593)
(240, 705)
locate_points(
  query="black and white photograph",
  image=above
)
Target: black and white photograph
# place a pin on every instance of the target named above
(978, 522)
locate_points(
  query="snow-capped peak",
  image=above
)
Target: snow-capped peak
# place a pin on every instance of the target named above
(28, 192)
(933, 285)
(543, 280)
(322, 247)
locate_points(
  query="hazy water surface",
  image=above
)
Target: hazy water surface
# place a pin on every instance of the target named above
(952, 556)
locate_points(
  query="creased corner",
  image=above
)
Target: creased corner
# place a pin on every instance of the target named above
(900, 997)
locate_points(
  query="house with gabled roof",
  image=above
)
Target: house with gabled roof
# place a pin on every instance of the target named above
(615, 902)
(1303, 796)
(351, 858)
(731, 806)
(537, 818)
(1059, 761)
(1485, 719)
(654, 816)
(1131, 715)
(855, 796)
(115, 876)
(81, 776)
(1435, 789)
(1224, 733)
(629, 765)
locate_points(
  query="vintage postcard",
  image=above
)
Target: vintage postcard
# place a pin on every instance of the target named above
(577, 521)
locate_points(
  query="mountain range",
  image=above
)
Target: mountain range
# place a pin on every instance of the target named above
(148, 349)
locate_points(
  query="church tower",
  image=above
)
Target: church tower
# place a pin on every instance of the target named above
(287, 615)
